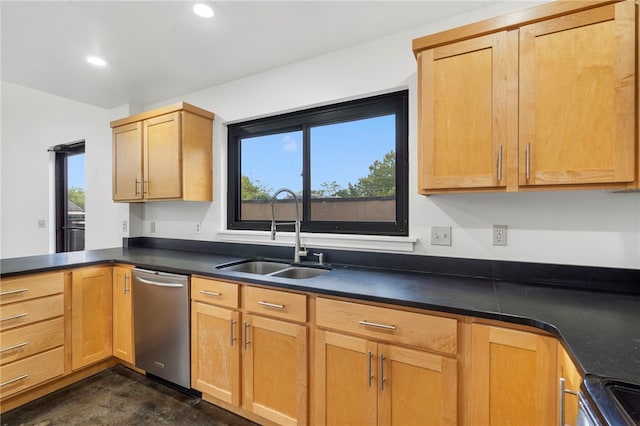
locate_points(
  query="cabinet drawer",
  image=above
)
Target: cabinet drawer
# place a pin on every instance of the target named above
(31, 371)
(214, 292)
(384, 324)
(23, 313)
(23, 342)
(30, 286)
(275, 303)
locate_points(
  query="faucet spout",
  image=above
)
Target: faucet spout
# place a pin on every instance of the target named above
(298, 249)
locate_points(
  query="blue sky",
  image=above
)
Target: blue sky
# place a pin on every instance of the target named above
(75, 171)
(340, 152)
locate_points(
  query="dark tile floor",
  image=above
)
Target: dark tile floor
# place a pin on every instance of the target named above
(120, 397)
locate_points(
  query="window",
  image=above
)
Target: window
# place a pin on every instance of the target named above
(346, 163)
(70, 196)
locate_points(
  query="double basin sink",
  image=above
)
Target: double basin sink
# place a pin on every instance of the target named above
(274, 268)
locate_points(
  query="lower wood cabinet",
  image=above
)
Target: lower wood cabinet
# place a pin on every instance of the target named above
(274, 366)
(215, 351)
(569, 380)
(363, 382)
(123, 314)
(513, 377)
(91, 315)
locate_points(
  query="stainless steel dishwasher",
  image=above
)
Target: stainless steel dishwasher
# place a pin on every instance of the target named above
(161, 325)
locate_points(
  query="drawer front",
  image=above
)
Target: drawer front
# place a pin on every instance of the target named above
(18, 314)
(31, 371)
(275, 303)
(215, 292)
(31, 286)
(391, 325)
(22, 342)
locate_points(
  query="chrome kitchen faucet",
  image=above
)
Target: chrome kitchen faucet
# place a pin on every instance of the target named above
(297, 249)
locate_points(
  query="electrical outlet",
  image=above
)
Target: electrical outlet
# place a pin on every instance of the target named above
(124, 226)
(152, 225)
(499, 235)
(440, 235)
(42, 223)
(198, 228)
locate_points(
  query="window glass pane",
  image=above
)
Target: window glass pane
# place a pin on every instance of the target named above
(353, 171)
(269, 163)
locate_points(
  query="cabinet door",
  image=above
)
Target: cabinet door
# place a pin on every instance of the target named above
(162, 159)
(275, 369)
(577, 79)
(416, 388)
(568, 390)
(91, 315)
(512, 377)
(346, 385)
(127, 162)
(463, 114)
(215, 352)
(122, 314)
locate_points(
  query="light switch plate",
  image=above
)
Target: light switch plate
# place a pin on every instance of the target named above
(440, 235)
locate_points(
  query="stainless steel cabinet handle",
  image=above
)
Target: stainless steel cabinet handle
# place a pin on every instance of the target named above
(369, 376)
(231, 324)
(145, 281)
(527, 153)
(270, 305)
(14, 317)
(561, 392)
(381, 372)
(211, 293)
(19, 345)
(137, 183)
(499, 163)
(8, 382)
(7, 293)
(246, 335)
(124, 285)
(377, 325)
(145, 183)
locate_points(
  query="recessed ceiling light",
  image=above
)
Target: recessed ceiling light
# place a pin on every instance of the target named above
(94, 60)
(203, 10)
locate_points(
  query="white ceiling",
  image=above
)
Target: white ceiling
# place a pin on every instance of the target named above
(160, 49)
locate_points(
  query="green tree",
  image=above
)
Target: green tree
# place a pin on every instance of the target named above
(76, 196)
(327, 189)
(251, 190)
(380, 182)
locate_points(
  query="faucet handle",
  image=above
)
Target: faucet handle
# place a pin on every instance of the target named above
(320, 257)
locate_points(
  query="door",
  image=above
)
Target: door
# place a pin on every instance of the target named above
(463, 111)
(122, 314)
(346, 371)
(215, 353)
(162, 159)
(91, 315)
(577, 98)
(70, 196)
(512, 377)
(127, 162)
(416, 388)
(274, 365)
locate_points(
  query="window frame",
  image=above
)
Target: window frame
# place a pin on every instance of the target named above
(303, 120)
(62, 153)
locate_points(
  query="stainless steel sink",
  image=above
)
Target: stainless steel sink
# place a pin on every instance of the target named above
(299, 272)
(260, 267)
(273, 269)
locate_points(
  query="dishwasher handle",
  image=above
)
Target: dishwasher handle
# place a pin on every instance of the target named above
(159, 284)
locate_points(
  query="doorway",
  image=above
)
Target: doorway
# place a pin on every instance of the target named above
(70, 196)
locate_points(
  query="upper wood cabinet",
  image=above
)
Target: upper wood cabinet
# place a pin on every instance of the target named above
(164, 154)
(543, 99)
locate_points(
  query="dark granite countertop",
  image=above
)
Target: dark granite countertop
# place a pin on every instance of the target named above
(601, 330)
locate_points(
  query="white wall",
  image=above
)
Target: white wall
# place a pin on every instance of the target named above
(571, 227)
(33, 121)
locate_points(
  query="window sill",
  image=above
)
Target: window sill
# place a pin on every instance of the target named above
(375, 243)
